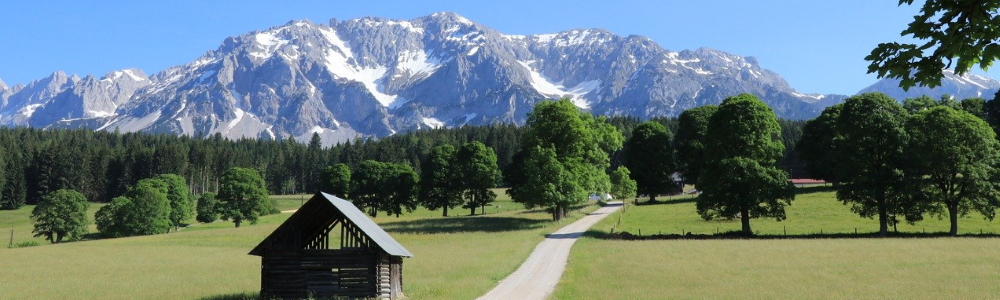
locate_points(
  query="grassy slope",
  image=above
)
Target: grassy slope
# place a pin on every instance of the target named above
(929, 268)
(455, 258)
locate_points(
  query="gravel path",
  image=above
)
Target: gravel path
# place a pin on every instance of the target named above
(538, 275)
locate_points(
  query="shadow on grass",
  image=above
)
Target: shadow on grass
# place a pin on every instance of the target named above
(814, 189)
(667, 202)
(462, 224)
(736, 235)
(235, 296)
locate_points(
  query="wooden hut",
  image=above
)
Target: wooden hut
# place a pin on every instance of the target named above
(330, 248)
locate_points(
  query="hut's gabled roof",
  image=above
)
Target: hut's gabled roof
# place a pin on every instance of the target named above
(318, 213)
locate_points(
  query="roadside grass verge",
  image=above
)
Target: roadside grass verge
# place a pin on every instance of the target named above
(841, 268)
(457, 257)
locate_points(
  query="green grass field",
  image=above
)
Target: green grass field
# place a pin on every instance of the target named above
(841, 268)
(457, 257)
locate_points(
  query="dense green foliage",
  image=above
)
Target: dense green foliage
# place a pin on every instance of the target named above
(568, 147)
(182, 206)
(954, 157)
(622, 185)
(143, 210)
(440, 180)
(61, 215)
(207, 208)
(242, 196)
(388, 187)
(477, 165)
(692, 126)
(649, 155)
(336, 180)
(951, 34)
(742, 148)
(872, 127)
(817, 148)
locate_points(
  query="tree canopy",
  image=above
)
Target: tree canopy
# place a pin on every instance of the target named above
(870, 157)
(816, 147)
(61, 215)
(954, 156)
(477, 165)
(622, 185)
(336, 180)
(950, 34)
(692, 127)
(577, 143)
(378, 186)
(742, 148)
(242, 196)
(649, 155)
(143, 210)
(441, 180)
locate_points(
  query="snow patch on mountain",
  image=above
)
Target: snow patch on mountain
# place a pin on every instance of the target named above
(545, 86)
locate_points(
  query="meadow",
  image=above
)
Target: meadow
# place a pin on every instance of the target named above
(456, 257)
(799, 267)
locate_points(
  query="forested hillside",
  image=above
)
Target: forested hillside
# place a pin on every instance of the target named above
(102, 165)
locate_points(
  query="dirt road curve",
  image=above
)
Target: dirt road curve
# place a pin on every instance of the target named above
(538, 275)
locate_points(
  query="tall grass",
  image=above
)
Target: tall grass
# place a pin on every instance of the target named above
(458, 257)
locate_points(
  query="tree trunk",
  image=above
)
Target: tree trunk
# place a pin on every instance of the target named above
(555, 213)
(237, 221)
(652, 197)
(883, 220)
(473, 212)
(482, 211)
(745, 220)
(953, 215)
(445, 214)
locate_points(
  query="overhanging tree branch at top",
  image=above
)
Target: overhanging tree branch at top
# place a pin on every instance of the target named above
(951, 34)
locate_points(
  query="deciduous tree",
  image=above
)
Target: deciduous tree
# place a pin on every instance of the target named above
(951, 34)
(441, 180)
(870, 155)
(955, 157)
(479, 173)
(207, 208)
(742, 146)
(622, 185)
(181, 204)
(61, 215)
(692, 126)
(817, 148)
(242, 196)
(336, 180)
(649, 155)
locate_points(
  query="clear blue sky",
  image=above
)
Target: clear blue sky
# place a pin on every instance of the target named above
(817, 45)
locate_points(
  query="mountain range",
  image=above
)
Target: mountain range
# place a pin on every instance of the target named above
(375, 77)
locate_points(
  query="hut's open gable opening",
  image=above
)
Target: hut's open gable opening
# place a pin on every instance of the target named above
(330, 248)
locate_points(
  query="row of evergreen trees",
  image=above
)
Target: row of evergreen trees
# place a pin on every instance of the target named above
(104, 165)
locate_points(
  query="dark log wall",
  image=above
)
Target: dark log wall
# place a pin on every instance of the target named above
(319, 273)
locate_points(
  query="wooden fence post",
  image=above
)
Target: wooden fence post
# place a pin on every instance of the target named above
(11, 245)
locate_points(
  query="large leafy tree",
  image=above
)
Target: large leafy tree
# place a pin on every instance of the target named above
(441, 180)
(336, 180)
(816, 147)
(870, 155)
(955, 156)
(742, 147)
(181, 204)
(143, 210)
(207, 208)
(579, 143)
(61, 215)
(692, 127)
(242, 196)
(477, 165)
(388, 187)
(950, 34)
(650, 158)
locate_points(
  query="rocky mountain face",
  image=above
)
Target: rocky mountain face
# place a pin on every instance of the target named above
(960, 87)
(376, 77)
